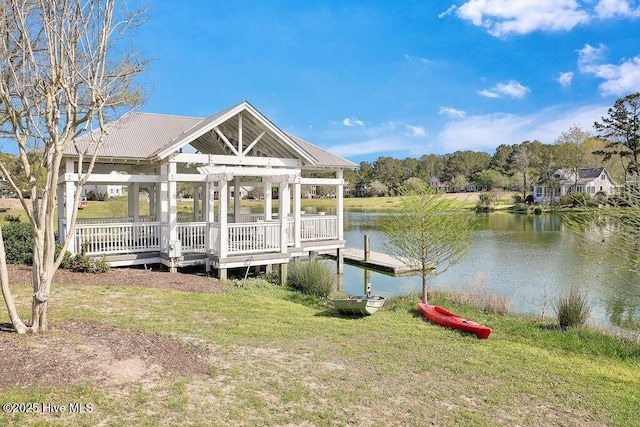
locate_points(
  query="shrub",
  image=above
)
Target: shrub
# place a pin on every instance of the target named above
(83, 263)
(572, 309)
(12, 218)
(565, 200)
(580, 200)
(311, 277)
(18, 242)
(486, 201)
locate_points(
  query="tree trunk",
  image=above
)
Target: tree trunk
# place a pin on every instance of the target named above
(18, 324)
(42, 278)
(424, 288)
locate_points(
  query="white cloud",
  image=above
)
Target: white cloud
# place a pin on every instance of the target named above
(622, 79)
(618, 79)
(504, 17)
(352, 121)
(485, 132)
(606, 9)
(589, 57)
(479, 133)
(421, 60)
(512, 89)
(451, 112)
(565, 79)
(415, 130)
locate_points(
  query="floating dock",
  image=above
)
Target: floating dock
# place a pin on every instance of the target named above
(375, 261)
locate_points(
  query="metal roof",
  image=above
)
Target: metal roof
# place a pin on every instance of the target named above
(153, 137)
(136, 135)
(325, 158)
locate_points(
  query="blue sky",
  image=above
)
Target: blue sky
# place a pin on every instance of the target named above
(366, 79)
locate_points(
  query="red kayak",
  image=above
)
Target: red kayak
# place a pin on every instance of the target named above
(445, 318)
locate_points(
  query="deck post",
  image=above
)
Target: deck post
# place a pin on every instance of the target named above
(340, 204)
(367, 248)
(133, 201)
(236, 199)
(268, 201)
(223, 209)
(297, 239)
(340, 261)
(284, 268)
(209, 218)
(70, 192)
(152, 200)
(283, 211)
(196, 202)
(60, 199)
(168, 206)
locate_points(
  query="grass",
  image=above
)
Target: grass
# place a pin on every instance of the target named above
(278, 359)
(572, 309)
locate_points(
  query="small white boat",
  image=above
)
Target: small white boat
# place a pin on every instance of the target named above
(364, 304)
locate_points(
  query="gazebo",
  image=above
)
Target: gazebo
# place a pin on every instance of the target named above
(235, 148)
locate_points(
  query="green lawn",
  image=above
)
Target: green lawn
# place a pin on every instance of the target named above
(277, 358)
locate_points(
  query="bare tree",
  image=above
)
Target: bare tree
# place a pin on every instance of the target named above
(571, 150)
(65, 69)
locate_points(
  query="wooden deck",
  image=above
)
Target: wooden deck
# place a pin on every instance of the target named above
(377, 261)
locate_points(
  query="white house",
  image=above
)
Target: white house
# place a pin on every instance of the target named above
(235, 148)
(111, 190)
(561, 182)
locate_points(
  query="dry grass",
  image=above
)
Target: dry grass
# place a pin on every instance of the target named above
(478, 295)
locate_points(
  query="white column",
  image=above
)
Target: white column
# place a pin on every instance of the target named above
(70, 192)
(268, 201)
(340, 204)
(153, 196)
(296, 215)
(223, 207)
(196, 202)
(60, 199)
(209, 216)
(236, 199)
(284, 195)
(168, 204)
(133, 199)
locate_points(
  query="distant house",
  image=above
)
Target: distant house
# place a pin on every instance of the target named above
(110, 189)
(561, 182)
(437, 185)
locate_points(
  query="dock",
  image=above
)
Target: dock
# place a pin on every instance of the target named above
(375, 261)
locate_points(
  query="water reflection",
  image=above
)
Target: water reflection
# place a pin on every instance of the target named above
(530, 259)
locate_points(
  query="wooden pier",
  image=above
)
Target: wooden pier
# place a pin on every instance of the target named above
(376, 261)
(370, 260)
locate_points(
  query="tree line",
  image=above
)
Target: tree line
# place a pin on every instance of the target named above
(614, 144)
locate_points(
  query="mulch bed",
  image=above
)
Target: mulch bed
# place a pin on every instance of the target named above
(188, 281)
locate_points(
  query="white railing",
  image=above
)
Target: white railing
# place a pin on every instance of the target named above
(318, 228)
(249, 217)
(115, 220)
(249, 237)
(253, 237)
(99, 239)
(191, 236)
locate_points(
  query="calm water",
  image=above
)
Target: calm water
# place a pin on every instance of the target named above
(530, 259)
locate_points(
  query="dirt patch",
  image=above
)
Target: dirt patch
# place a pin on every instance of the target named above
(94, 353)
